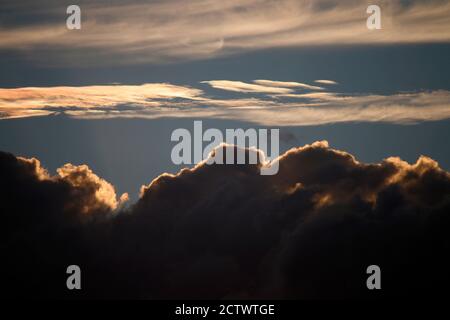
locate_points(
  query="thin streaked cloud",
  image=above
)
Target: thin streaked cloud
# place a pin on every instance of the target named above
(257, 104)
(271, 83)
(325, 81)
(239, 86)
(170, 30)
(29, 101)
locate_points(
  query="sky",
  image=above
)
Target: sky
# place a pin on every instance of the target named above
(109, 95)
(411, 75)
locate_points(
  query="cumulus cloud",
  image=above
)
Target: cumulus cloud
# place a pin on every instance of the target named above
(112, 30)
(265, 102)
(81, 189)
(43, 218)
(224, 231)
(103, 192)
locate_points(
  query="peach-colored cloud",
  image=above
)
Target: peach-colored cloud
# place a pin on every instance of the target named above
(24, 102)
(83, 177)
(239, 86)
(267, 105)
(285, 84)
(136, 32)
(325, 81)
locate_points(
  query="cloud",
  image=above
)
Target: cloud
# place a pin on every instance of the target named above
(224, 231)
(44, 219)
(82, 190)
(36, 101)
(326, 81)
(103, 192)
(239, 86)
(271, 83)
(276, 103)
(112, 30)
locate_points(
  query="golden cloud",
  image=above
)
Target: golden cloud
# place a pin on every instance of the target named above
(273, 104)
(201, 29)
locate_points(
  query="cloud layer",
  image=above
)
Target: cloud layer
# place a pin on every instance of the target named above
(224, 231)
(20, 102)
(159, 31)
(266, 102)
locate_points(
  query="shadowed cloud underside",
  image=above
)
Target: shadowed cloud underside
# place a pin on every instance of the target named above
(224, 231)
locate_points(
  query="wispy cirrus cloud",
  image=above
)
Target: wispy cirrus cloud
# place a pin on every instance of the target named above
(239, 86)
(112, 31)
(326, 81)
(285, 84)
(22, 102)
(262, 104)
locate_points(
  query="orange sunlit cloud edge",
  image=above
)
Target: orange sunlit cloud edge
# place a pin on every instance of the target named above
(265, 102)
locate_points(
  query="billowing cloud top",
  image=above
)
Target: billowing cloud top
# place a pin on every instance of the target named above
(268, 102)
(224, 231)
(112, 31)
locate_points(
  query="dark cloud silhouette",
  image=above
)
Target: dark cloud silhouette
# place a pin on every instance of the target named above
(225, 231)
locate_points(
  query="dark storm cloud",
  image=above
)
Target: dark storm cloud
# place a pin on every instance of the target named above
(42, 218)
(224, 231)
